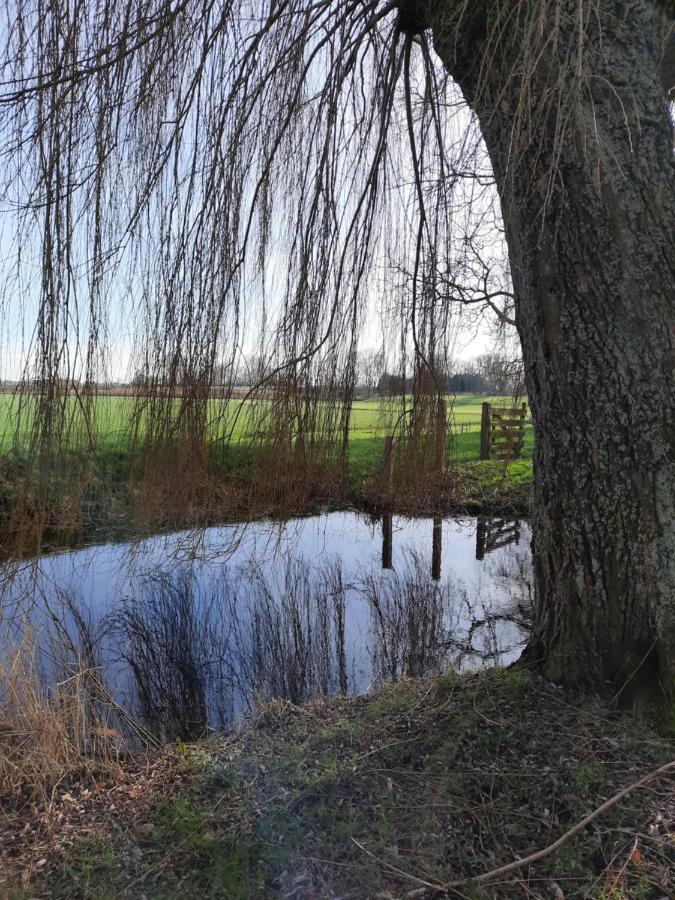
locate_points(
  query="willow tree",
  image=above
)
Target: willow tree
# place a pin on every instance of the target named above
(572, 99)
(250, 167)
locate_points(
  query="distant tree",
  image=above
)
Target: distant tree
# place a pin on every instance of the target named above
(139, 379)
(502, 375)
(467, 382)
(389, 385)
(369, 370)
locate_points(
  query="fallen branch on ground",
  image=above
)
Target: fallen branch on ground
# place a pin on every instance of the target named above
(532, 857)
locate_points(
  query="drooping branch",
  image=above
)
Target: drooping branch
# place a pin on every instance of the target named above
(163, 159)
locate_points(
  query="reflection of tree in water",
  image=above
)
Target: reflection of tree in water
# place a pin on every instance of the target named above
(511, 572)
(497, 631)
(420, 626)
(175, 642)
(196, 654)
(297, 632)
(197, 657)
(407, 612)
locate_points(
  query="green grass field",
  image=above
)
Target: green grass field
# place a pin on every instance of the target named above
(371, 420)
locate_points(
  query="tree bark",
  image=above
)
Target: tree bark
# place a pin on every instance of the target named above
(574, 115)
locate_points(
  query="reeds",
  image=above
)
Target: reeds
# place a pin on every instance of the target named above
(51, 731)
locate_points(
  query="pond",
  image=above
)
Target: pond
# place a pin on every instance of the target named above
(190, 630)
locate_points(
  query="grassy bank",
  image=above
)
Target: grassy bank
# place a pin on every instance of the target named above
(396, 794)
(117, 490)
(113, 428)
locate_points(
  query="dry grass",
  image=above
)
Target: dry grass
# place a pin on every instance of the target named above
(51, 735)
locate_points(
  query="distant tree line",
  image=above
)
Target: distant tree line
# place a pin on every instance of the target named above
(491, 373)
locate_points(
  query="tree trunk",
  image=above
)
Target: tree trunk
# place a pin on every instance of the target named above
(574, 116)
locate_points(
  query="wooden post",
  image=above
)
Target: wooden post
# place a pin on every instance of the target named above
(518, 431)
(441, 424)
(389, 461)
(436, 548)
(521, 436)
(485, 424)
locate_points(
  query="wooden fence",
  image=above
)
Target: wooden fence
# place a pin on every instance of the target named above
(502, 432)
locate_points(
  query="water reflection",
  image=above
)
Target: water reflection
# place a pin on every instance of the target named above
(387, 541)
(436, 548)
(187, 634)
(495, 532)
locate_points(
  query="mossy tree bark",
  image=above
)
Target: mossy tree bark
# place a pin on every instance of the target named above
(581, 146)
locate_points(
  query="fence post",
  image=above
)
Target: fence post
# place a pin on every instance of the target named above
(519, 443)
(389, 461)
(485, 423)
(441, 425)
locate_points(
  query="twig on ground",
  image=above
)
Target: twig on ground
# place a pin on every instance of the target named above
(427, 884)
(532, 857)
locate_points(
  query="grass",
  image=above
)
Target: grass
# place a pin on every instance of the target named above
(477, 485)
(369, 422)
(426, 781)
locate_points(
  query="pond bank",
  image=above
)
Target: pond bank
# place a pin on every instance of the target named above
(386, 795)
(116, 511)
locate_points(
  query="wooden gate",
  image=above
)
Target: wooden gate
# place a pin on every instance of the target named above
(502, 431)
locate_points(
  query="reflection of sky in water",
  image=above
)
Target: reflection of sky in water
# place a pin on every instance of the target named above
(480, 613)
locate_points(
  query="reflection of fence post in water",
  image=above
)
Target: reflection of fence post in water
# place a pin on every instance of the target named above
(387, 532)
(481, 534)
(494, 533)
(387, 518)
(436, 548)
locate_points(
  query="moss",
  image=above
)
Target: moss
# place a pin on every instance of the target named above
(395, 702)
(211, 863)
(90, 869)
(515, 684)
(590, 776)
(445, 685)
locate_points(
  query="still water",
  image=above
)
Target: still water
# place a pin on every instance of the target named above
(187, 631)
